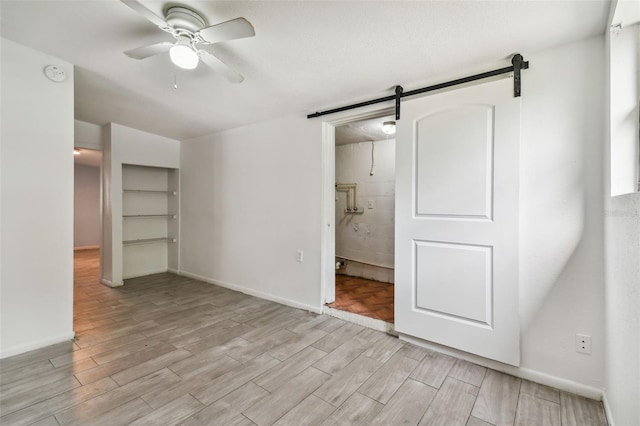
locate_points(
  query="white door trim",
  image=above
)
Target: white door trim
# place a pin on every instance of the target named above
(328, 207)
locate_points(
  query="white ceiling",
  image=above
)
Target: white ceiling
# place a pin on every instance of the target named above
(363, 131)
(306, 55)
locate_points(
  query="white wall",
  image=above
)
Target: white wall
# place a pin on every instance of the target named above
(252, 196)
(250, 199)
(88, 135)
(622, 243)
(561, 220)
(36, 278)
(624, 80)
(86, 206)
(367, 237)
(124, 145)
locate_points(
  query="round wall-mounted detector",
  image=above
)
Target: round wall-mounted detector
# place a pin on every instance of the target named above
(55, 73)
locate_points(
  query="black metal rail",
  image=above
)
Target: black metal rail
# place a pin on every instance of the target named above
(518, 64)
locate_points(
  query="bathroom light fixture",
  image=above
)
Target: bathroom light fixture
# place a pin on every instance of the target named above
(76, 151)
(184, 56)
(389, 127)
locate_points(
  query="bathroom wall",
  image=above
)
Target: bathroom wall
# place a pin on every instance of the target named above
(366, 239)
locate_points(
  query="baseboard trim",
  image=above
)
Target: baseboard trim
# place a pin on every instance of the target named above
(26, 347)
(109, 283)
(607, 409)
(524, 373)
(85, 248)
(252, 292)
(173, 271)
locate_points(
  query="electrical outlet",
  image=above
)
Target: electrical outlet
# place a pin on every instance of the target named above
(583, 343)
(370, 204)
(299, 256)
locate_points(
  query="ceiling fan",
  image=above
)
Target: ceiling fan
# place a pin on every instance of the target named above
(190, 30)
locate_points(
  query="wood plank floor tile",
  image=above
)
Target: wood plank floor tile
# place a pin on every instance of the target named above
(200, 362)
(338, 337)
(473, 421)
(270, 408)
(144, 368)
(233, 379)
(537, 411)
(540, 391)
(407, 406)
(21, 360)
(386, 381)
(122, 415)
(169, 341)
(260, 346)
(215, 369)
(345, 382)
(287, 370)
(216, 339)
(342, 356)
(498, 398)
(60, 402)
(223, 411)
(384, 348)
(330, 325)
(28, 383)
(240, 420)
(89, 352)
(16, 401)
(82, 413)
(25, 371)
(171, 413)
(414, 352)
(121, 364)
(302, 327)
(576, 410)
(357, 410)
(49, 421)
(311, 411)
(468, 372)
(296, 344)
(452, 404)
(433, 368)
(201, 333)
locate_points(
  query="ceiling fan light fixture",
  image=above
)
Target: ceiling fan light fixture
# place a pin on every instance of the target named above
(389, 127)
(184, 56)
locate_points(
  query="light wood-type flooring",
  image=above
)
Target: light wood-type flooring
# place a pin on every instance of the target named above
(168, 350)
(373, 299)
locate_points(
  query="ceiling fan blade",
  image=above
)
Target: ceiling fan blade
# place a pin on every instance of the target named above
(220, 67)
(230, 30)
(149, 15)
(151, 50)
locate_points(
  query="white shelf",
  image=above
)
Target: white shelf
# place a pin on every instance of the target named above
(151, 191)
(142, 216)
(149, 240)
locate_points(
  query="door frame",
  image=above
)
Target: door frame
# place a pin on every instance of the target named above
(328, 203)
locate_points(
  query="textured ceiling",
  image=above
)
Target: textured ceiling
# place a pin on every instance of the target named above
(306, 55)
(362, 131)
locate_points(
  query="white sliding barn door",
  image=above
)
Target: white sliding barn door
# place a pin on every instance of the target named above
(457, 164)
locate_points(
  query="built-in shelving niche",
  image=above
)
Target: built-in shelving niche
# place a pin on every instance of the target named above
(150, 220)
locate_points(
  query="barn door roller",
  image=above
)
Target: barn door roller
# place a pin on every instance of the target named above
(517, 65)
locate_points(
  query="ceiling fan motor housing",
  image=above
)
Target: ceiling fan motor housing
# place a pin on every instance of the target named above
(182, 18)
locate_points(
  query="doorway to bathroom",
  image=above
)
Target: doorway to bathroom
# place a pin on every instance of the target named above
(364, 204)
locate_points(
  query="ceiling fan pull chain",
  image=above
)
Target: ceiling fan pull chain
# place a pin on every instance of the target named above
(175, 81)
